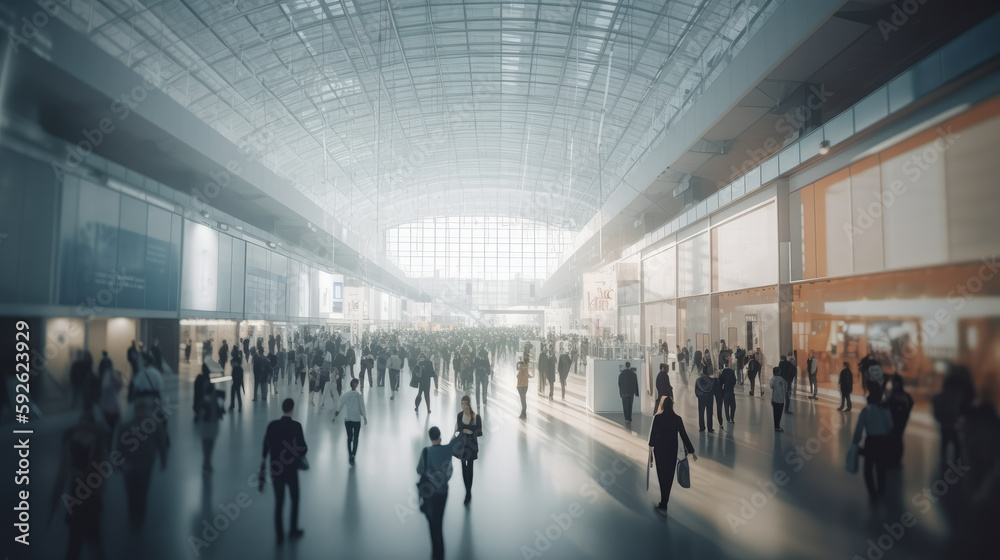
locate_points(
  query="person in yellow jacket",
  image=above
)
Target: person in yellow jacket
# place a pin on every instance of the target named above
(523, 375)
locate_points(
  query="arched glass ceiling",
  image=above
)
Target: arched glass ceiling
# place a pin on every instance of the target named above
(371, 106)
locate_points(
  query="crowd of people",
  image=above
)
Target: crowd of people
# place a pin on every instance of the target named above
(333, 369)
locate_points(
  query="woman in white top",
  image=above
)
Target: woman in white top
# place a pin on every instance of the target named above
(875, 422)
(779, 387)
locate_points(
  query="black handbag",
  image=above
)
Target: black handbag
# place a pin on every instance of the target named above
(415, 377)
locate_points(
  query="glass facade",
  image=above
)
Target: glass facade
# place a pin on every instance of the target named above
(476, 248)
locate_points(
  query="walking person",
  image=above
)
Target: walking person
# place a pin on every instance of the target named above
(787, 371)
(523, 374)
(259, 366)
(667, 426)
(286, 445)
(139, 456)
(482, 371)
(846, 383)
(812, 370)
(84, 445)
(741, 361)
(208, 412)
(875, 424)
(663, 387)
(110, 386)
(394, 364)
(187, 351)
(704, 390)
(628, 390)
(236, 392)
(223, 355)
(899, 403)
(779, 394)
(753, 371)
(469, 428)
(352, 404)
(435, 469)
(424, 372)
(565, 361)
(727, 381)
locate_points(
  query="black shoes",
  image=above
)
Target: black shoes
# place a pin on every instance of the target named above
(352, 460)
(468, 498)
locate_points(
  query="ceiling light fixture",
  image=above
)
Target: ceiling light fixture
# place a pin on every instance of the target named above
(271, 244)
(223, 226)
(205, 214)
(824, 147)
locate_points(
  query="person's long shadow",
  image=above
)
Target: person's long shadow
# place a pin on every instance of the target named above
(351, 503)
(466, 549)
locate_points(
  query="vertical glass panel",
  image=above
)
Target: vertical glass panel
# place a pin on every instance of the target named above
(96, 240)
(67, 240)
(237, 281)
(833, 225)
(279, 284)
(694, 265)
(866, 215)
(176, 236)
(158, 237)
(971, 171)
(225, 272)
(915, 228)
(745, 251)
(199, 283)
(659, 275)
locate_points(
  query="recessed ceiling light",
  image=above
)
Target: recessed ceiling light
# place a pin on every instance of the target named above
(824, 147)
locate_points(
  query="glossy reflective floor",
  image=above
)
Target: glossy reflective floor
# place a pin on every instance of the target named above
(532, 477)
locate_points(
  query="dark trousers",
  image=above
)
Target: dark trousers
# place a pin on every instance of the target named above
(729, 402)
(666, 466)
(813, 385)
(523, 391)
(482, 381)
(467, 475)
(705, 411)
(368, 371)
(137, 489)
(394, 379)
(552, 385)
(289, 478)
(236, 393)
(353, 431)
(435, 516)
(778, 408)
(876, 464)
(380, 380)
(718, 407)
(425, 391)
(627, 407)
(261, 384)
(845, 399)
(85, 529)
(752, 377)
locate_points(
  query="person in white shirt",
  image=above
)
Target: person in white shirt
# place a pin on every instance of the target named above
(779, 390)
(352, 404)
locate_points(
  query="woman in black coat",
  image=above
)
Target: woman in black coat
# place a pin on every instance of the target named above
(470, 428)
(663, 442)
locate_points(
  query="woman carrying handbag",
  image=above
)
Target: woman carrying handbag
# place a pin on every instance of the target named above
(469, 428)
(667, 425)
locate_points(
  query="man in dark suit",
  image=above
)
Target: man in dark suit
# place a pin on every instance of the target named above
(628, 389)
(286, 445)
(259, 365)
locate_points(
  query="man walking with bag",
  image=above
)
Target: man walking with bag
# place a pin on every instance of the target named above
(435, 470)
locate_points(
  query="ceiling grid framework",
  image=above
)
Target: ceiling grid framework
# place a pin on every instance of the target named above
(386, 112)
